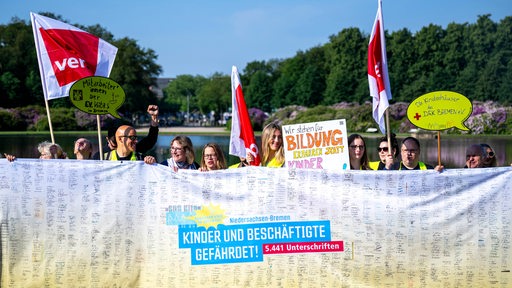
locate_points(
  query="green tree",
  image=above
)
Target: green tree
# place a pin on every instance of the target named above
(135, 70)
(181, 93)
(454, 61)
(347, 57)
(482, 39)
(259, 92)
(428, 67)
(17, 60)
(215, 94)
(289, 71)
(310, 86)
(401, 56)
(257, 82)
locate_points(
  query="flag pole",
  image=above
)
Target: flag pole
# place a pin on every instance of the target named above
(49, 118)
(100, 145)
(388, 132)
(439, 148)
(43, 80)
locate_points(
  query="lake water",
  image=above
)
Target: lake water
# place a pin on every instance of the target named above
(453, 148)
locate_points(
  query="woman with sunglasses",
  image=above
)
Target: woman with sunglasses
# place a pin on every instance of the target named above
(387, 157)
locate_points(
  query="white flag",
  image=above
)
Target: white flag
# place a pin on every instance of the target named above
(67, 54)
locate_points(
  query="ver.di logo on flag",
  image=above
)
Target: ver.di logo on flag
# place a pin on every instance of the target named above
(73, 54)
(67, 54)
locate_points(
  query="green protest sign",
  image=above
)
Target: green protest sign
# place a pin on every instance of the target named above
(97, 95)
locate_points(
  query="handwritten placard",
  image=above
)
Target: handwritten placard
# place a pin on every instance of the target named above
(317, 145)
(440, 110)
(97, 95)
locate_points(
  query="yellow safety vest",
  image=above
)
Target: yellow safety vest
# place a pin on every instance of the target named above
(113, 156)
(374, 165)
(274, 163)
(422, 166)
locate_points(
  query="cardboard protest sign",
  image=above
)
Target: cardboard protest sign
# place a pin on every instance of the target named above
(317, 145)
(440, 110)
(97, 95)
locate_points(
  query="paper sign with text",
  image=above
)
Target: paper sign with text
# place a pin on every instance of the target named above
(440, 110)
(317, 145)
(97, 95)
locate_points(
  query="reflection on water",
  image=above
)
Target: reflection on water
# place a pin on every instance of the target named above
(453, 149)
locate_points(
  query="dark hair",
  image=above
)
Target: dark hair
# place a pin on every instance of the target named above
(394, 142)
(364, 159)
(412, 139)
(488, 160)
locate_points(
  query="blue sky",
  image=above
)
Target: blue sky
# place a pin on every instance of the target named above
(202, 37)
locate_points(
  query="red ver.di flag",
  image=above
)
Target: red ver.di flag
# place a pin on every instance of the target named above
(378, 79)
(67, 54)
(242, 136)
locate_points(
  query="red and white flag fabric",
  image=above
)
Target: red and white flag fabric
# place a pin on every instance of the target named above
(378, 78)
(242, 139)
(67, 54)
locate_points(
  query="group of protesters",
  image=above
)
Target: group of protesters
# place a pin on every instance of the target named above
(477, 155)
(124, 145)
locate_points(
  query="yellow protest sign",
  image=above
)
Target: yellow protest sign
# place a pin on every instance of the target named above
(97, 95)
(440, 110)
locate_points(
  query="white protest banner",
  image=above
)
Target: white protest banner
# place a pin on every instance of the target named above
(317, 145)
(69, 223)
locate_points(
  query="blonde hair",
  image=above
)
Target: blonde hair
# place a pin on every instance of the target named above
(186, 145)
(221, 160)
(266, 136)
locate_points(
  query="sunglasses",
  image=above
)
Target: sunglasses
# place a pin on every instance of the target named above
(380, 149)
(133, 138)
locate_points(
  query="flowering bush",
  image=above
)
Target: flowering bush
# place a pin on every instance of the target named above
(258, 117)
(486, 118)
(10, 120)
